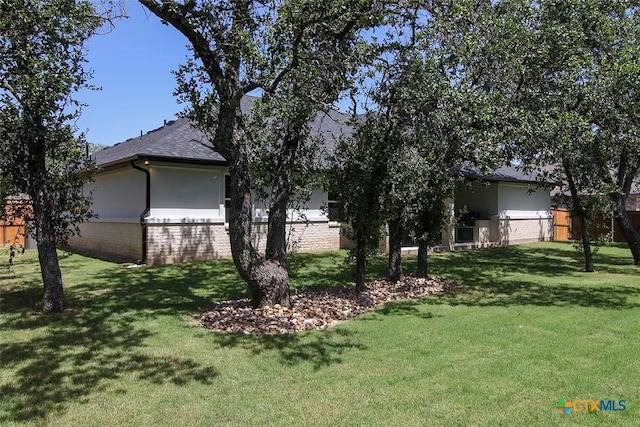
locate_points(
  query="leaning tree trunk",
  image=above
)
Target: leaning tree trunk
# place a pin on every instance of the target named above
(626, 175)
(268, 280)
(423, 266)
(630, 234)
(583, 214)
(396, 235)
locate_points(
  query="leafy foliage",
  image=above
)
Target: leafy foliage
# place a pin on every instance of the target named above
(568, 57)
(43, 164)
(428, 116)
(299, 55)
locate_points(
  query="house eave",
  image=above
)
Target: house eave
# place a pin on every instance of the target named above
(166, 159)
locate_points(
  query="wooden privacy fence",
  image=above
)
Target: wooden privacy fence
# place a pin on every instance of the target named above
(634, 217)
(12, 232)
(566, 227)
(561, 223)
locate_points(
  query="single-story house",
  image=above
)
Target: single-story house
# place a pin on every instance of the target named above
(161, 198)
(502, 207)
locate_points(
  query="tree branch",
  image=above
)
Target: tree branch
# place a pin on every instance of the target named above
(176, 14)
(5, 85)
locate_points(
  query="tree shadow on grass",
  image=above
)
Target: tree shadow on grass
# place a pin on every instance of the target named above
(319, 271)
(57, 359)
(485, 276)
(73, 354)
(411, 308)
(320, 349)
(510, 293)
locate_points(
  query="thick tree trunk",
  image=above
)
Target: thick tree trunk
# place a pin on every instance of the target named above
(396, 235)
(53, 297)
(53, 300)
(281, 192)
(423, 266)
(277, 233)
(43, 218)
(268, 280)
(629, 233)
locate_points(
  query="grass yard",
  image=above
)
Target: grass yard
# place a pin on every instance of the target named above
(527, 329)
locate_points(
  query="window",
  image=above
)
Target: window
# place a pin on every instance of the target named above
(227, 198)
(333, 207)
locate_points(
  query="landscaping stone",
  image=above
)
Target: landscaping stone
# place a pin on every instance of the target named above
(311, 310)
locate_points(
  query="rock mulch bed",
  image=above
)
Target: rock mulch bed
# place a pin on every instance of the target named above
(316, 309)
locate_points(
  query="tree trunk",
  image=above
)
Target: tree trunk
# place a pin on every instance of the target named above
(277, 232)
(53, 300)
(582, 213)
(361, 262)
(281, 191)
(396, 235)
(586, 243)
(629, 233)
(53, 297)
(268, 280)
(626, 174)
(423, 266)
(43, 218)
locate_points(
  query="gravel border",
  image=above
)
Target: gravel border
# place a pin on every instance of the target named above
(313, 310)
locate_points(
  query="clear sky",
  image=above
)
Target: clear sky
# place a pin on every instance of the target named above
(132, 64)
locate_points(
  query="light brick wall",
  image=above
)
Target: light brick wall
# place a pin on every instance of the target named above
(171, 243)
(312, 237)
(511, 231)
(121, 241)
(633, 202)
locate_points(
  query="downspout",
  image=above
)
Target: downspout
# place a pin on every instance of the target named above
(145, 212)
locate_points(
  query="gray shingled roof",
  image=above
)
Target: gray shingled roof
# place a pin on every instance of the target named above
(176, 141)
(503, 173)
(180, 141)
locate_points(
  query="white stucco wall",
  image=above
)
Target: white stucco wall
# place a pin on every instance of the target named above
(515, 214)
(186, 216)
(505, 199)
(118, 200)
(186, 194)
(516, 202)
(118, 195)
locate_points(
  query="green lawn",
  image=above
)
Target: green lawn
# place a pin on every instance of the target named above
(527, 329)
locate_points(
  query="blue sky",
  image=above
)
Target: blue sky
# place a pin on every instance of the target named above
(132, 64)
